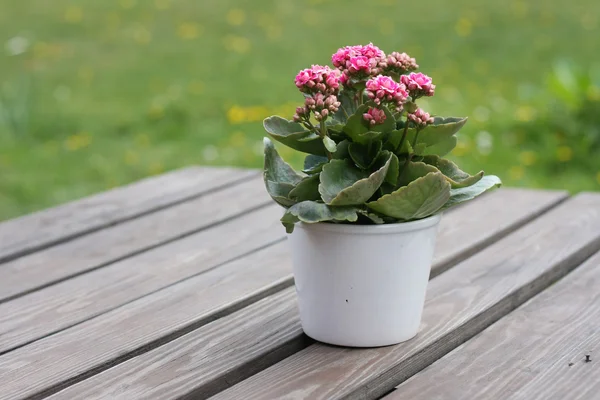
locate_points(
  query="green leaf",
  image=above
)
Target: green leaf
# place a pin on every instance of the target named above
(365, 155)
(277, 170)
(329, 144)
(360, 132)
(280, 192)
(342, 150)
(279, 177)
(343, 184)
(412, 171)
(346, 109)
(461, 195)
(419, 148)
(314, 164)
(438, 133)
(392, 175)
(294, 135)
(307, 189)
(454, 175)
(376, 219)
(421, 198)
(442, 148)
(312, 212)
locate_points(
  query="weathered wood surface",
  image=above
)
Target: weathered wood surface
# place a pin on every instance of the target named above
(43, 366)
(65, 304)
(228, 350)
(460, 303)
(537, 352)
(503, 211)
(112, 244)
(39, 230)
(207, 360)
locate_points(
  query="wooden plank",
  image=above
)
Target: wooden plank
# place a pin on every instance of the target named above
(228, 350)
(65, 304)
(83, 254)
(460, 303)
(48, 364)
(536, 352)
(36, 231)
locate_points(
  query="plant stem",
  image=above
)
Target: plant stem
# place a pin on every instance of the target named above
(323, 134)
(411, 154)
(403, 137)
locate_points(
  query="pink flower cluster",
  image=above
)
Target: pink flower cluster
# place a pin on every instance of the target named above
(374, 116)
(418, 85)
(398, 63)
(322, 105)
(318, 79)
(357, 61)
(420, 117)
(383, 89)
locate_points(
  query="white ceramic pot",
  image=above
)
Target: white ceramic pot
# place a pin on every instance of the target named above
(362, 285)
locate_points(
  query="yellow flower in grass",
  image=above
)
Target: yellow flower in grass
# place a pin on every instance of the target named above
(236, 17)
(162, 4)
(78, 141)
(189, 30)
(527, 158)
(237, 44)
(564, 153)
(131, 157)
(156, 168)
(463, 27)
(516, 172)
(73, 14)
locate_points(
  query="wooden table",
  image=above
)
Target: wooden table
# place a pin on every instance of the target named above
(180, 286)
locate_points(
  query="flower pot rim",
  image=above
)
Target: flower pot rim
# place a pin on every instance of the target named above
(383, 229)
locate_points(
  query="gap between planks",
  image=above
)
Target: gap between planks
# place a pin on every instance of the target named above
(43, 229)
(537, 352)
(99, 249)
(460, 303)
(64, 305)
(473, 222)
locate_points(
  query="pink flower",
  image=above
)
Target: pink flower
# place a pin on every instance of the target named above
(318, 103)
(418, 84)
(374, 116)
(371, 51)
(345, 80)
(358, 64)
(385, 89)
(398, 63)
(420, 117)
(318, 79)
(359, 61)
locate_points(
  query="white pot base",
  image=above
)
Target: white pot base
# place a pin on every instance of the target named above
(362, 286)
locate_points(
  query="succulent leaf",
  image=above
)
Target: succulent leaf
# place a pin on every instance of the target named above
(419, 199)
(365, 155)
(454, 175)
(294, 135)
(344, 184)
(312, 212)
(307, 189)
(461, 195)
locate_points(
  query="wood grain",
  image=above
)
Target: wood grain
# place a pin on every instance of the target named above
(537, 352)
(65, 304)
(36, 231)
(489, 218)
(108, 245)
(235, 347)
(47, 365)
(460, 303)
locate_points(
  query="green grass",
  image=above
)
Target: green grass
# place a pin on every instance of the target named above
(119, 90)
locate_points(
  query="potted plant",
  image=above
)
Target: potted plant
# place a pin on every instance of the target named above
(363, 213)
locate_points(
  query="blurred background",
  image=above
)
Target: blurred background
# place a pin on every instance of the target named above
(95, 94)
